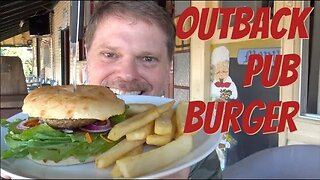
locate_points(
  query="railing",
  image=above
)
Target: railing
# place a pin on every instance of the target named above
(34, 82)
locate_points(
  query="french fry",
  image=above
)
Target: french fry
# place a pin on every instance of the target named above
(133, 123)
(141, 133)
(163, 124)
(115, 172)
(174, 124)
(135, 151)
(165, 107)
(181, 115)
(119, 150)
(158, 140)
(136, 108)
(155, 159)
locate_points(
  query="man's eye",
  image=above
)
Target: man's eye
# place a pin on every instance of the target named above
(110, 55)
(149, 59)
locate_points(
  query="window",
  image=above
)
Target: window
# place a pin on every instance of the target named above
(310, 75)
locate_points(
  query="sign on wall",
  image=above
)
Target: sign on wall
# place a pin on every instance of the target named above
(243, 54)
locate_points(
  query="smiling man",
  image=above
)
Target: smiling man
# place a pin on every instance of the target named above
(130, 46)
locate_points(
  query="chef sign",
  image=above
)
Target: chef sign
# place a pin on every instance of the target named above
(222, 89)
(222, 86)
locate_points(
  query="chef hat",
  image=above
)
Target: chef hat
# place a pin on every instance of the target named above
(219, 54)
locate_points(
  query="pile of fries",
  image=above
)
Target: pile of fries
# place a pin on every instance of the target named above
(161, 126)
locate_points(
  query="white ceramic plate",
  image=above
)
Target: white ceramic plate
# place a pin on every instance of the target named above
(24, 168)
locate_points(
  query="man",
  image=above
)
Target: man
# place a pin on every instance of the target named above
(126, 49)
(130, 47)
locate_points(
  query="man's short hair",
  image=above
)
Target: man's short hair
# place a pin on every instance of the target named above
(148, 11)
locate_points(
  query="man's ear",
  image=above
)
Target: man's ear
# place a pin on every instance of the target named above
(171, 62)
(86, 51)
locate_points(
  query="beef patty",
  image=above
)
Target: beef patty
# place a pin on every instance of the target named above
(68, 123)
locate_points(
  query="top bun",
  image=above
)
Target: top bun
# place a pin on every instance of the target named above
(60, 102)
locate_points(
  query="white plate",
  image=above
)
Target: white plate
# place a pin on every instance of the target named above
(24, 168)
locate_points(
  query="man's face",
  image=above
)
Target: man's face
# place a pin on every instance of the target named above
(221, 70)
(129, 57)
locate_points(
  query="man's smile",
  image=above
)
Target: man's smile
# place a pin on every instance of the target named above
(121, 92)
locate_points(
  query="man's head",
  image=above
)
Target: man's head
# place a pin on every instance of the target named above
(130, 47)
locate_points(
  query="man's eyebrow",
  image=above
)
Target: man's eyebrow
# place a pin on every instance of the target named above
(107, 46)
(150, 53)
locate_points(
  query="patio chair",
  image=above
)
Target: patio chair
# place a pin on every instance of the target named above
(13, 86)
(292, 161)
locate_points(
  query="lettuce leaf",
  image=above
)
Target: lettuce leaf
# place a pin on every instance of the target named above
(119, 118)
(43, 142)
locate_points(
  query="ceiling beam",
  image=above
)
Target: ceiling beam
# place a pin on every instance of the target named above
(26, 5)
(8, 4)
(26, 15)
(15, 19)
(10, 34)
(31, 11)
(12, 12)
(12, 26)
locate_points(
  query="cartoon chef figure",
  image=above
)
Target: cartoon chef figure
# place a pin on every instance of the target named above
(222, 89)
(222, 86)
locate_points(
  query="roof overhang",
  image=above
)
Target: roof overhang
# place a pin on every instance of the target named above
(14, 15)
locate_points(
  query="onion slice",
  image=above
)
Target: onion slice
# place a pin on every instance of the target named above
(97, 127)
(68, 131)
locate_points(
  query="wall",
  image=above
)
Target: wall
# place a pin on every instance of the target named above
(181, 62)
(60, 20)
(308, 128)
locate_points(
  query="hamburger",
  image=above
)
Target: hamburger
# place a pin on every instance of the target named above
(64, 127)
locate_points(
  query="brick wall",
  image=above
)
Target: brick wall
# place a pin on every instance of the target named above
(60, 21)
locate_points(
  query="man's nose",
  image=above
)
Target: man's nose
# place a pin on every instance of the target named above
(128, 70)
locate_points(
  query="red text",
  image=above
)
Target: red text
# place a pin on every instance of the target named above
(242, 27)
(284, 69)
(227, 115)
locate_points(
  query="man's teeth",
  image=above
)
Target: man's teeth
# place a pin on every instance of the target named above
(118, 91)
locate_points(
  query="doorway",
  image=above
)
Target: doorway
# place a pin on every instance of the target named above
(249, 144)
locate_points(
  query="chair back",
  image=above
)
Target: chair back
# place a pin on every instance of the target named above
(12, 77)
(13, 86)
(292, 161)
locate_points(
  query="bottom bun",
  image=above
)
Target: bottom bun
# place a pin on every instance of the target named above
(66, 162)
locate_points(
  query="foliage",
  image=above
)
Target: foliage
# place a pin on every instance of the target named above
(23, 53)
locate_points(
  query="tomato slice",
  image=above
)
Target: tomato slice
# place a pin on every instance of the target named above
(32, 122)
(29, 123)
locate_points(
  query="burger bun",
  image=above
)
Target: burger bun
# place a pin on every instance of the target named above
(62, 102)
